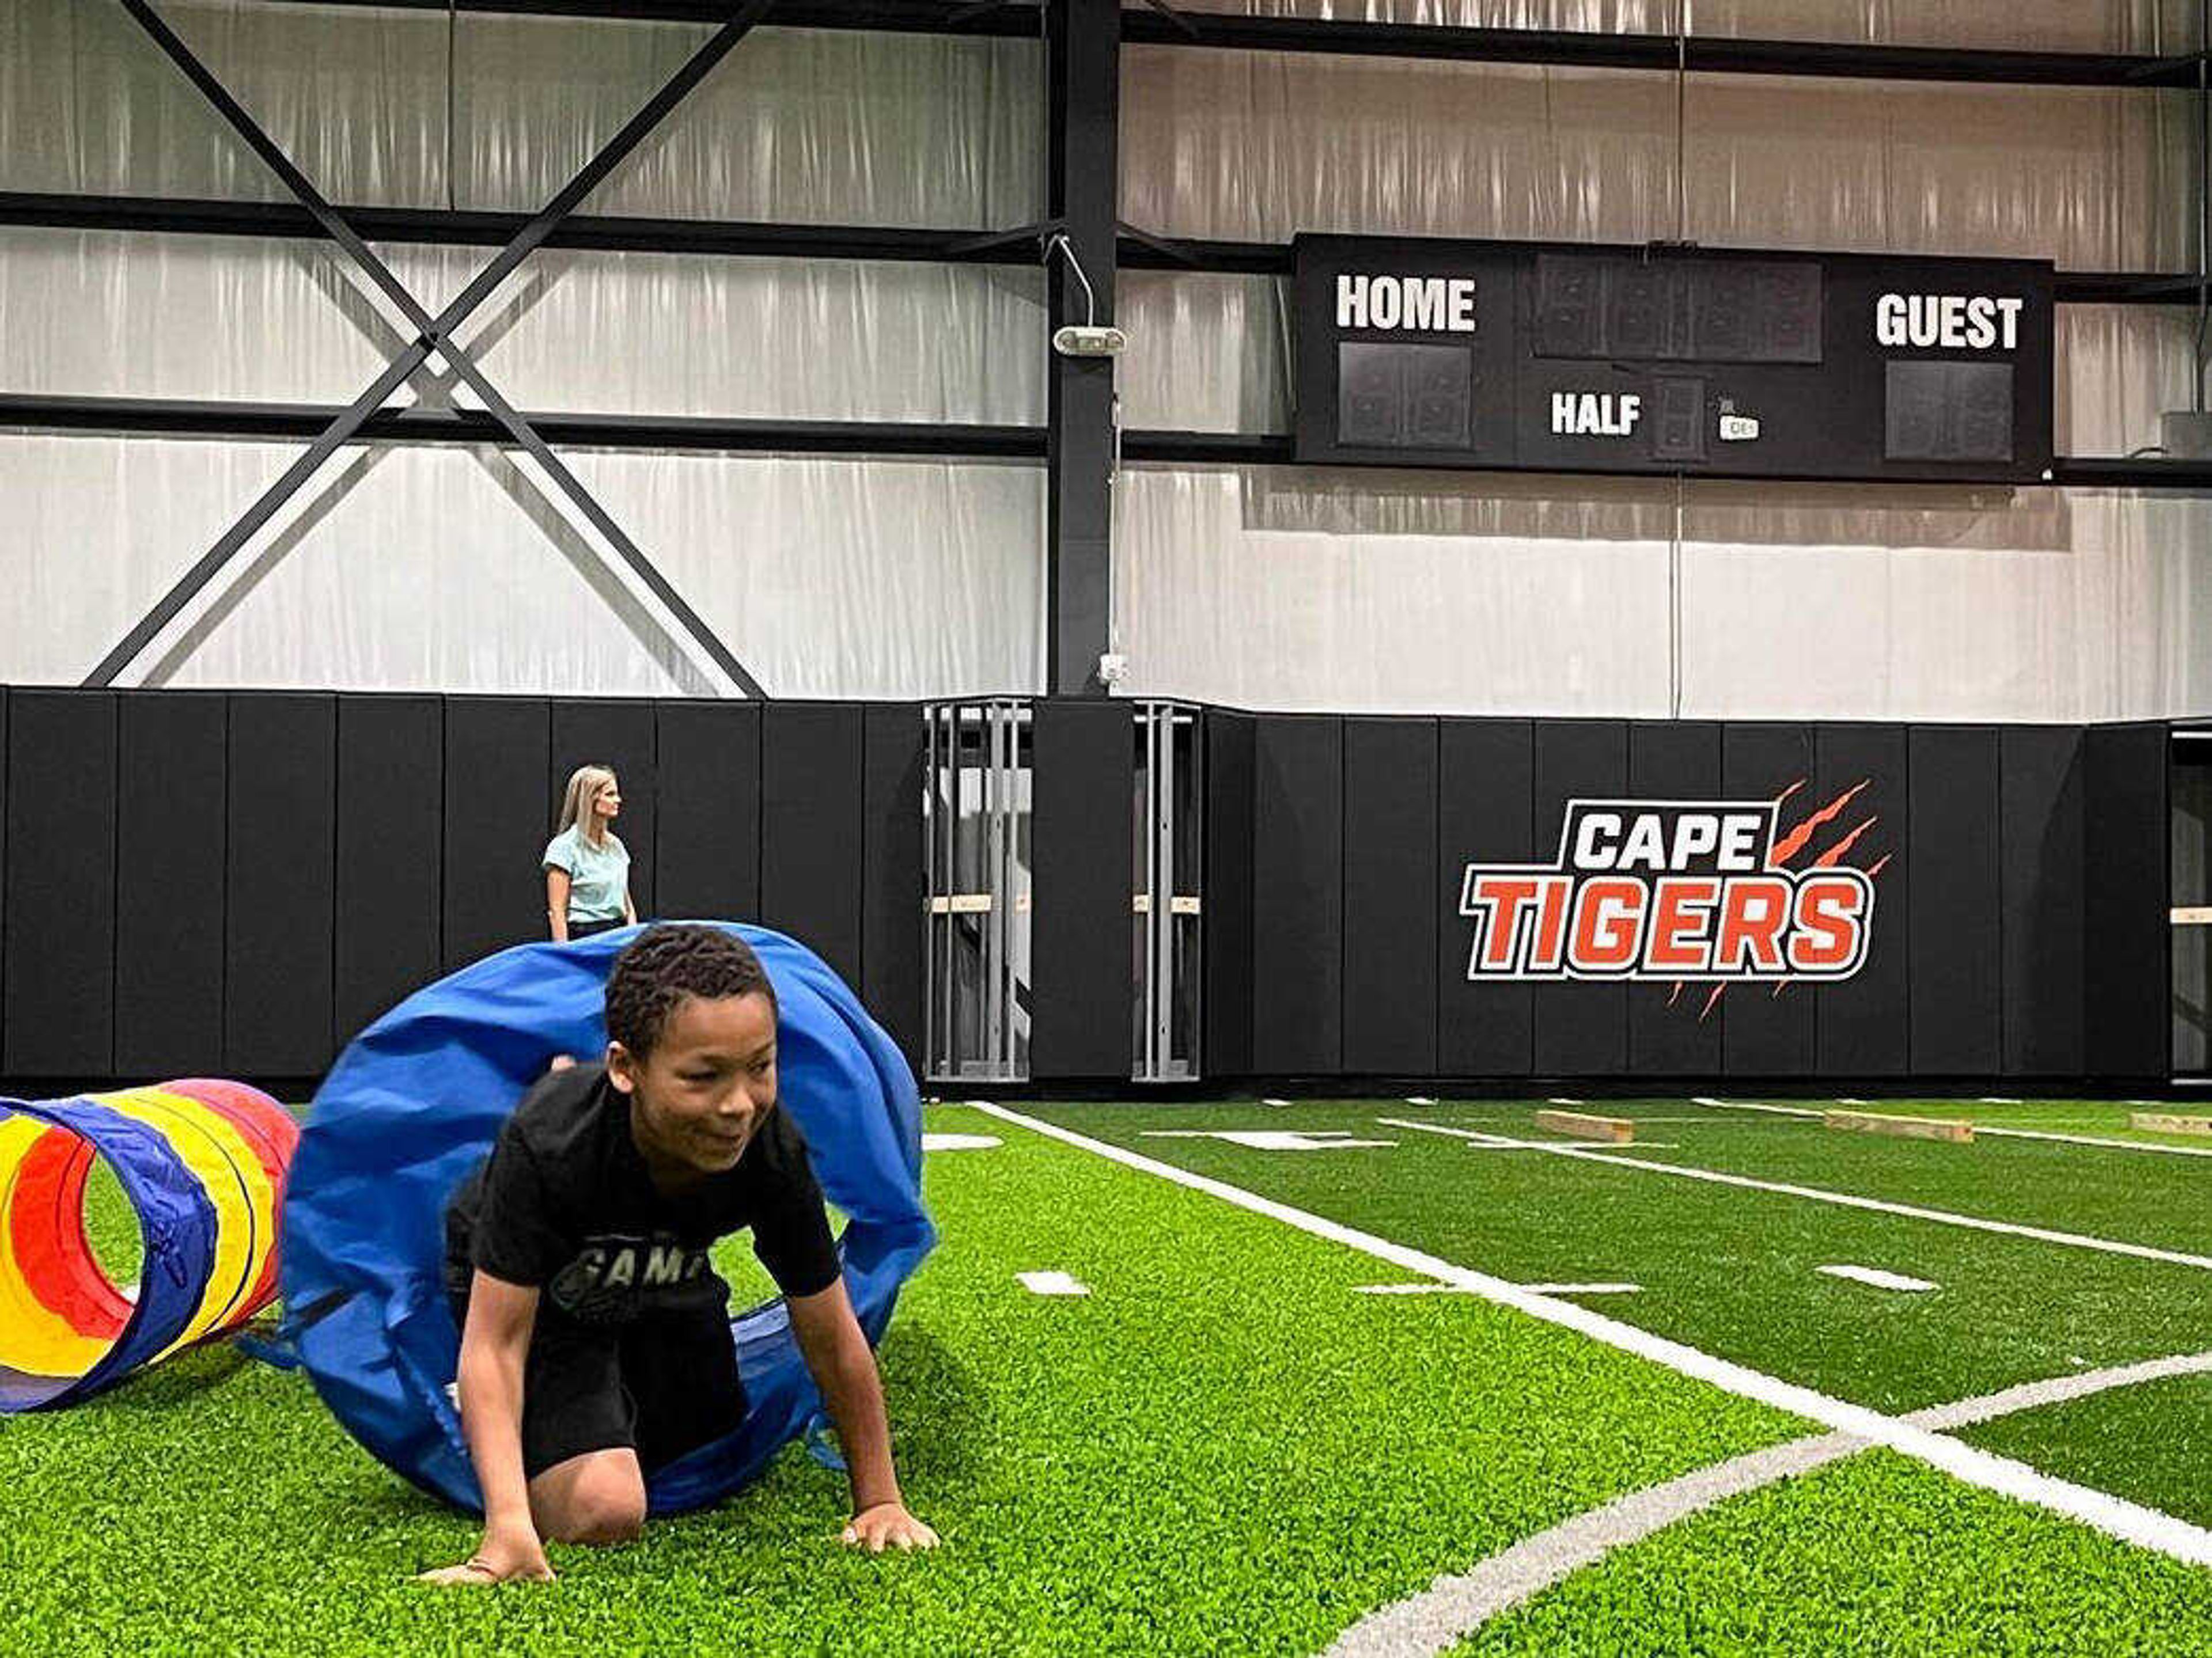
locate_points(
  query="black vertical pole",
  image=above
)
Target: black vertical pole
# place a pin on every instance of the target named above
(1083, 53)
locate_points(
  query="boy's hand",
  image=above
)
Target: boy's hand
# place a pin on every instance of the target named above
(505, 1554)
(888, 1525)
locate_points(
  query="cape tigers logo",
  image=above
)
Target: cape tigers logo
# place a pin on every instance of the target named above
(1671, 889)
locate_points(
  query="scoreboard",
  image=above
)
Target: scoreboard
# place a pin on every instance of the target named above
(1431, 353)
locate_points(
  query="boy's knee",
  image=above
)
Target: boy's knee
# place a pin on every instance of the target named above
(607, 1506)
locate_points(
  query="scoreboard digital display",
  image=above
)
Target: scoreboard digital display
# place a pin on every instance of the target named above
(1510, 355)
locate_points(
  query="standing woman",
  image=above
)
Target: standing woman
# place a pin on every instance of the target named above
(587, 865)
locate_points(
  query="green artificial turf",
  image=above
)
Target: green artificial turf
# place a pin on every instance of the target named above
(1224, 1447)
(1874, 1555)
(1731, 1270)
(2151, 1443)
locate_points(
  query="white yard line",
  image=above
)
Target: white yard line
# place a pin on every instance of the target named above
(1819, 1194)
(1452, 1608)
(2115, 1516)
(1461, 1290)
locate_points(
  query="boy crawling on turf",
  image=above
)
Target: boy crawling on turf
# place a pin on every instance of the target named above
(595, 1336)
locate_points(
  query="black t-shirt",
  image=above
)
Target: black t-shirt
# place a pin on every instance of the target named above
(564, 1203)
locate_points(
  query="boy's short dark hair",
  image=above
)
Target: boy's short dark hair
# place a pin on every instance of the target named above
(666, 963)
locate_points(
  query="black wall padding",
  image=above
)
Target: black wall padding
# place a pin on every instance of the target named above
(2128, 967)
(1765, 1034)
(619, 734)
(2041, 840)
(170, 881)
(1957, 948)
(1083, 931)
(1485, 792)
(1226, 919)
(1670, 1034)
(282, 850)
(707, 836)
(391, 758)
(59, 931)
(1392, 907)
(891, 878)
(498, 819)
(1297, 880)
(1862, 1025)
(1581, 1029)
(811, 828)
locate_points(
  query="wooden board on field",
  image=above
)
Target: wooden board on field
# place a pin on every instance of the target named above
(1910, 1128)
(2160, 1122)
(1583, 1126)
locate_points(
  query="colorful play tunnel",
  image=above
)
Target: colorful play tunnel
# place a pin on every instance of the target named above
(203, 1165)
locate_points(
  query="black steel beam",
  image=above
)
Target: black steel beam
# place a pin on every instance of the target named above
(1083, 54)
(1565, 47)
(187, 417)
(889, 16)
(749, 238)
(1711, 54)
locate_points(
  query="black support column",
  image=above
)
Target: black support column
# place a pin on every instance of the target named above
(1083, 64)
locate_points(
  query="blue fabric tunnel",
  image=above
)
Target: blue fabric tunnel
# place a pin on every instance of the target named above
(416, 1100)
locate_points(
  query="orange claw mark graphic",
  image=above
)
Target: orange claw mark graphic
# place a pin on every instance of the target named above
(1710, 1000)
(1878, 866)
(1834, 854)
(1794, 842)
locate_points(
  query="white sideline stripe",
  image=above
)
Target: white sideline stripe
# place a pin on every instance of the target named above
(1561, 1099)
(1419, 1099)
(1452, 1608)
(1985, 1128)
(2114, 1516)
(1845, 1199)
(1876, 1277)
(1462, 1290)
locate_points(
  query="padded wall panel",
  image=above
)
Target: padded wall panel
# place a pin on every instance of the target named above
(1391, 906)
(58, 1000)
(1083, 949)
(1581, 1029)
(1297, 881)
(2041, 840)
(391, 757)
(1674, 1029)
(1957, 942)
(498, 819)
(1485, 813)
(282, 846)
(706, 834)
(1768, 1034)
(811, 828)
(170, 882)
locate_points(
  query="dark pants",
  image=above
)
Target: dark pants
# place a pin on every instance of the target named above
(589, 929)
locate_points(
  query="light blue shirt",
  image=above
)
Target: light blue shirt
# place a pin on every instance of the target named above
(598, 876)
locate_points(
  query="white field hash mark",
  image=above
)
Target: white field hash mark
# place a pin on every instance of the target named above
(1876, 1277)
(2115, 1516)
(1821, 1194)
(1052, 1284)
(1269, 1139)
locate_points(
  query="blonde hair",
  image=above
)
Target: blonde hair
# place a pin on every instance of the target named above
(584, 785)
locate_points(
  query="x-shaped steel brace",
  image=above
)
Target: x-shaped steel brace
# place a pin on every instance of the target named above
(435, 335)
